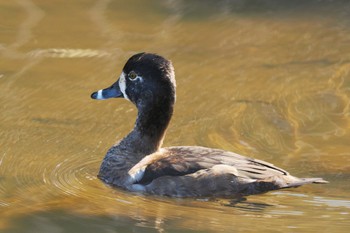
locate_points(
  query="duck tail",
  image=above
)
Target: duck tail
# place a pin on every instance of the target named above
(302, 181)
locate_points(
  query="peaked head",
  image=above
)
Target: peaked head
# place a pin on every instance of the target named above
(146, 78)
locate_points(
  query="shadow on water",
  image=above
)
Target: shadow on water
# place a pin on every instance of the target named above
(199, 9)
(70, 220)
(243, 204)
(65, 221)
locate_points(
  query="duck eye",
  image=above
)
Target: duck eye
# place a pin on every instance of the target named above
(132, 75)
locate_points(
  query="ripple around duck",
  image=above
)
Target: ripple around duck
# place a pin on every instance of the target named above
(72, 176)
(76, 179)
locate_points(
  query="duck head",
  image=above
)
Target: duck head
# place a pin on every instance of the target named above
(147, 80)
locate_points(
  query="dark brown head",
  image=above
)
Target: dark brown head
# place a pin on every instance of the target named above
(147, 80)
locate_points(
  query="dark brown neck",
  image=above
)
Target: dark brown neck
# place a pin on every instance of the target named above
(150, 127)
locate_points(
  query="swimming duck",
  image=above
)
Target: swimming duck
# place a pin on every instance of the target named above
(138, 163)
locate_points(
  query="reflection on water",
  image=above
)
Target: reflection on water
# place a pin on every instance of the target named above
(269, 79)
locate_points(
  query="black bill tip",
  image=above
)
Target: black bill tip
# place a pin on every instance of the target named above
(94, 95)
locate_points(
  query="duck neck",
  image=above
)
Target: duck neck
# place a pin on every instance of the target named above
(150, 127)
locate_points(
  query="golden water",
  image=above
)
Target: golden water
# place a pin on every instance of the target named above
(269, 79)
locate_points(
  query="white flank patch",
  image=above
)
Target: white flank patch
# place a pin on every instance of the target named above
(99, 95)
(136, 174)
(122, 85)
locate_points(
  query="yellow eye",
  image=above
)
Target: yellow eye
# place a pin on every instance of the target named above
(132, 75)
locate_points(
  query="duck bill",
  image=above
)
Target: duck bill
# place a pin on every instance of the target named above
(110, 92)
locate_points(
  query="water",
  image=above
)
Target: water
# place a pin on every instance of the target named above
(268, 79)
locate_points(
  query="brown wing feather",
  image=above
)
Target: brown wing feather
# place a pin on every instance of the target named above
(179, 161)
(168, 166)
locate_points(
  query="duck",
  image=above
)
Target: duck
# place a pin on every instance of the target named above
(138, 162)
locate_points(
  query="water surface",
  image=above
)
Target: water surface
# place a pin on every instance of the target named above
(269, 79)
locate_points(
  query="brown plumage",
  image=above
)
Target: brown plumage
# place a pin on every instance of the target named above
(138, 163)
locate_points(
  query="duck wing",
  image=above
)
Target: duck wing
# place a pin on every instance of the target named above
(180, 161)
(199, 171)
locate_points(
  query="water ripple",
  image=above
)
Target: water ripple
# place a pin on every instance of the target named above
(34, 16)
(72, 176)
(69, 53)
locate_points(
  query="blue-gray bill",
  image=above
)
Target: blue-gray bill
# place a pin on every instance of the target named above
(110, 92)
